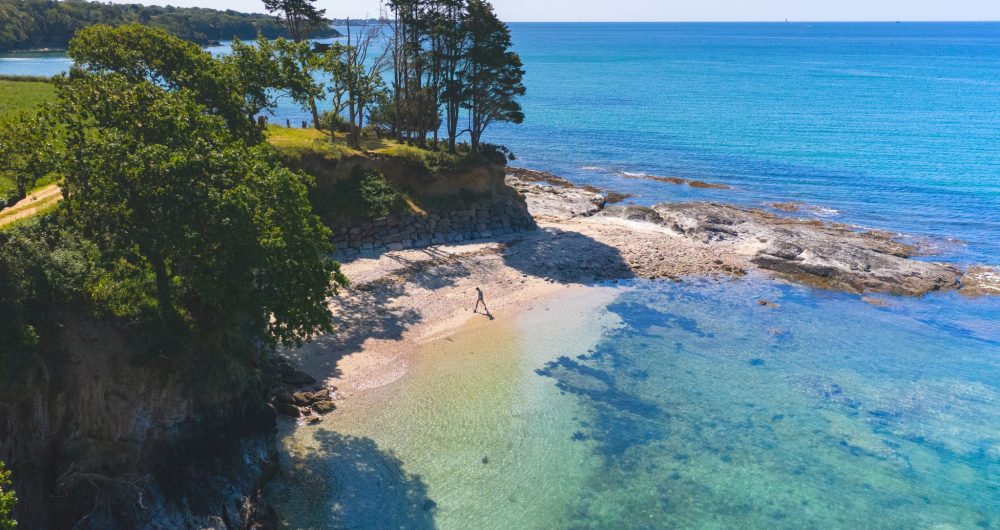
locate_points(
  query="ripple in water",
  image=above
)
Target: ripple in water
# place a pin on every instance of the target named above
(678, 405)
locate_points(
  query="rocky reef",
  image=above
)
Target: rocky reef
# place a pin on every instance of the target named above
(711, 237)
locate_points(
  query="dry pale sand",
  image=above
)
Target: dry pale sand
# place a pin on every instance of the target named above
(402, 299)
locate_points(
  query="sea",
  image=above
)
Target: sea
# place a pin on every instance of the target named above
(655, 404)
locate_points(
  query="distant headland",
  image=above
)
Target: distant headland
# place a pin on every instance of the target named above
(39, 24)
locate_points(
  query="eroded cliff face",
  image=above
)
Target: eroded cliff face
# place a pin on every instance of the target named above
(98, 435)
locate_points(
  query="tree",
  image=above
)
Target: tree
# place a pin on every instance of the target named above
(7, 500)
(409, 36)
(27, 152)
(492, 74)
(300, 16)
(140, 53)
(270, 69)
(454, 44)
(358, 77)
(190, 221)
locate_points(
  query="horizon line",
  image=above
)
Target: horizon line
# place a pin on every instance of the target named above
(789, 21)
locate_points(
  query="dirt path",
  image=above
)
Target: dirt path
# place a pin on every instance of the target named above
(31, 205)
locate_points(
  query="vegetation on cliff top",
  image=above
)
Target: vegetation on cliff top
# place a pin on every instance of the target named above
(174, 215)
(32, 24)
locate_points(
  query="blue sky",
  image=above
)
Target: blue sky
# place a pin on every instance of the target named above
(677, 10)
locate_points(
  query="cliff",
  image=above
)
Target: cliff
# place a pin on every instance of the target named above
(99, 436)
(436, 197)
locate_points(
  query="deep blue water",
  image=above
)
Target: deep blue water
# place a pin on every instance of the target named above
(895, 126)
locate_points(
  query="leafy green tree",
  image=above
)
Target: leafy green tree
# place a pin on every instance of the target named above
(270, 69)
(301, 17)
(7, 500)
(492, 75)
(27, 150)
(140, 53)
(212, 233)
(452, 45)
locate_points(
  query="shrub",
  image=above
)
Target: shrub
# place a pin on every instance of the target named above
(7, 500)
(331, 121)
(375, 192)
(425, 162)
(365, 195)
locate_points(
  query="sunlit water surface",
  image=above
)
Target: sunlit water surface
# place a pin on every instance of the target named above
(689, 405)
(658, 405)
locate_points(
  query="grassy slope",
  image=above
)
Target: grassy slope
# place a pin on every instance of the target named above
(21, 96)
(297, 142)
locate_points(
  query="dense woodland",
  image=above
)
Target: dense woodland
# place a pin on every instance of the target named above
(179, 220)
(32, 24)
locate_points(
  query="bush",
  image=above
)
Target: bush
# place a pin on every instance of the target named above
(375, 192)
(425, 161)
(366, 195)
(331, 121)
(7, 500)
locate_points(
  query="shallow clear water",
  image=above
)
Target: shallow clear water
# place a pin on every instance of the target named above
(641, 408)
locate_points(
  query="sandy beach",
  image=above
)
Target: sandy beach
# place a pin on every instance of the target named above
(399, 300)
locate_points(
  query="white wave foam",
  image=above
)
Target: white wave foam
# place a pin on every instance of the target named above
(823, 211)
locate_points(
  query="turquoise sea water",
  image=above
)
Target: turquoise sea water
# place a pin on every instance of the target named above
(894, 126)
(688, 405)
(673, 405)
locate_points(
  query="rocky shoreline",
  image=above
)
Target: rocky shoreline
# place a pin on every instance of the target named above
(734, 240)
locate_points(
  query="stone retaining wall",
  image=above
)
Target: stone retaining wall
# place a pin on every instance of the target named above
(476, 221)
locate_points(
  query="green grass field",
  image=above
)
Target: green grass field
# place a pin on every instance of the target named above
(23, 96)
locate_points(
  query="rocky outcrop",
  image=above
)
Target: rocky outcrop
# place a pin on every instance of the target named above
(981, 281)
(821, 254)
(299, 395)
(99, 434)
(809, 251)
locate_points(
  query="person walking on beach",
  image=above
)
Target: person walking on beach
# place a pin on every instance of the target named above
(481, 300)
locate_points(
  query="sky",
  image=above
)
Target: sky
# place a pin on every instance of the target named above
(675, 10)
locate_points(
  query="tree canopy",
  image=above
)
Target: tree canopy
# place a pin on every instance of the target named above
(187, 222)
(27, 152)
(7, 500)
(301, 17)
(456, 55)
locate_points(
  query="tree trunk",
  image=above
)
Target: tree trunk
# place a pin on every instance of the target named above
(163, 298)
(315, 112)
